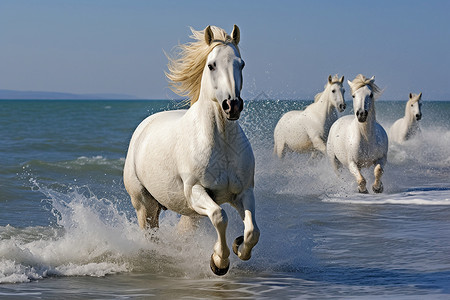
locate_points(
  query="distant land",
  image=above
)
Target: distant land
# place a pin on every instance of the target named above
(37, 95)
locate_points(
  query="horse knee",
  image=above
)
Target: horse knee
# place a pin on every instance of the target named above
(219, 218)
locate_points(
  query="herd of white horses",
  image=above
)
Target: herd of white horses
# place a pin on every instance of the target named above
(193, 161)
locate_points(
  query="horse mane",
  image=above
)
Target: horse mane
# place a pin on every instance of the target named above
(186, 67)
(334, 80)
(361, 80)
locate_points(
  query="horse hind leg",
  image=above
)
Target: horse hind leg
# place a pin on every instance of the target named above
(278, 150)
(377, 186)
(147, 209)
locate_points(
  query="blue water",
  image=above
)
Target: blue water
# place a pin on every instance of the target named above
(67, 227)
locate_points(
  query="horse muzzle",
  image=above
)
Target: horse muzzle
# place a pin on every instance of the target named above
(342, 107)
(233, 108)
(418, 117)
(361, 115)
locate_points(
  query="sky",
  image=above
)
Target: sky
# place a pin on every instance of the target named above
(289, 47)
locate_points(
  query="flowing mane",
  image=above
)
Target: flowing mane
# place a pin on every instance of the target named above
(360, 81)
(186, 68)
(334, 80)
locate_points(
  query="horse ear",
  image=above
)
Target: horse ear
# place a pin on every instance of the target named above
(420, 95)
(209, 35)
(410, 96)
(330, 79)
(342, 79)
(372, 79)
(350, 83)
(236, 34)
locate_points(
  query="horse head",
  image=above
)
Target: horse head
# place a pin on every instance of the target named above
(364, 92)
(336, 89)
(222, 74)
(415, 106)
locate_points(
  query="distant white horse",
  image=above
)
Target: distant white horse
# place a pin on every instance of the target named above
(192, 161)
(307, 130)
(407, 127)
(359, 141)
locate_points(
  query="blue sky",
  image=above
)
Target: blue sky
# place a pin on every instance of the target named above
(290, 47)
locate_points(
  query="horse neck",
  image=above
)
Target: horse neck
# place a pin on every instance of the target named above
(409, 116)
(210, 120)
(367, 128)
(326, 107)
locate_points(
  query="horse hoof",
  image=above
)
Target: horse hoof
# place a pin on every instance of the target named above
(237, 242)
(363, 192)
(216, 270)
(378, 190)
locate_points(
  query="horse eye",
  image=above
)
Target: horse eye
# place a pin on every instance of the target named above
(353, 96)
(211, 67)
(333, 91)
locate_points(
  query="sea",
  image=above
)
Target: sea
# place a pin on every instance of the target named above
(68, 229)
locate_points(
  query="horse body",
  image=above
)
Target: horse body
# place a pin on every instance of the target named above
(304, 131)
(407, 127)
(192, 161)
(363, 145)
(171, 161)
(360, 141)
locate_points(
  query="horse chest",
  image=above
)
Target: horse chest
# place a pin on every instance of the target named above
(222, 177)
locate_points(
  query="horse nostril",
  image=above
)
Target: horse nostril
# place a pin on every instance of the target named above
(225, 105)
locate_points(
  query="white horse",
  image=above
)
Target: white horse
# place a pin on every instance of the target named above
(359, 141)
(192, 161)
(407, 127)
(307, 130)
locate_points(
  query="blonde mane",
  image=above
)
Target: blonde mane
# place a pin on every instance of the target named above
(186, 68)
(334, 80)
(360, 81)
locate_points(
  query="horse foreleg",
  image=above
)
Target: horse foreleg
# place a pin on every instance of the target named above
(243, 245)
(202, 203)
(359, 178)
(377, 186)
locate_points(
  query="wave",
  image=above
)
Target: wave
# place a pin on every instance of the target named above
(418, 196)
(93, 237)
(82, 162)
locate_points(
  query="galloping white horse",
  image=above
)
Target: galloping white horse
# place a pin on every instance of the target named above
(192, 161)
(359, 141)
(307, 130)
(407, 127)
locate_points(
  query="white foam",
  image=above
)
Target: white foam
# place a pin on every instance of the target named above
(94, 238)
(418, 197)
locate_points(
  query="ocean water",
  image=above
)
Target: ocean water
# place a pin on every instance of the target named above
(68, 229)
